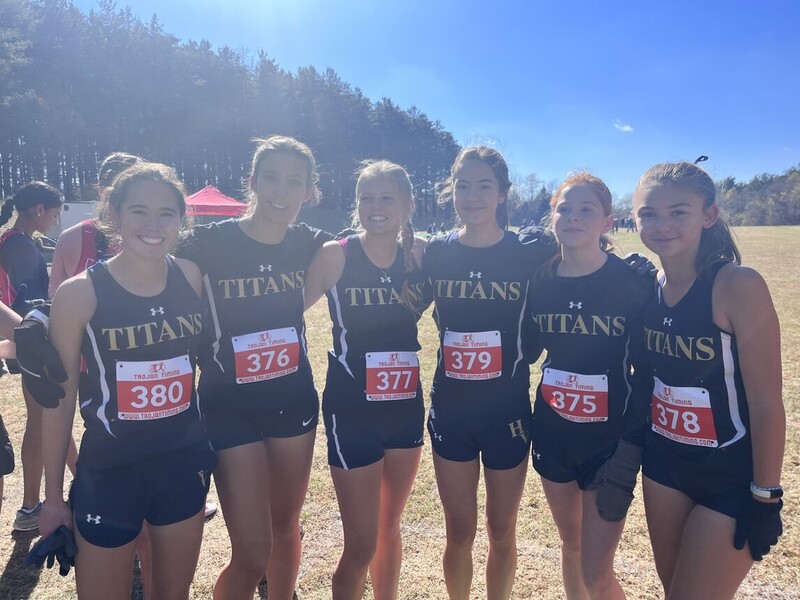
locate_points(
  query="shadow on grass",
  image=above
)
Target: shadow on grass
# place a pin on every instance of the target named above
(17, 579)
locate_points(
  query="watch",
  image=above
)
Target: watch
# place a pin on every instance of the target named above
(766, 492)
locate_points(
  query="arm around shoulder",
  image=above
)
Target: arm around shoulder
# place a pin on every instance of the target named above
(324, 271)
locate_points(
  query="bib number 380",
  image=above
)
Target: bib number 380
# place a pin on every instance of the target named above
(148, 390)
(392, 375)
(266, 354)
(683, 414)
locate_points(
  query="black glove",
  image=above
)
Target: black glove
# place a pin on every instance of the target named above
(615, 480)
(640, 264)
(42, 371)
(59, 545)
(759, 524)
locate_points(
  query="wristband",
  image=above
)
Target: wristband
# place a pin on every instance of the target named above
(768, 493)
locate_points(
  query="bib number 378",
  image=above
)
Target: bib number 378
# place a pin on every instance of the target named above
(683, 414)
(266, 354)
(392, 375)
(477, 355)
(148, 390)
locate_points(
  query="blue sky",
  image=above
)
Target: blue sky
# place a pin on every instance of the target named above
(611, 86)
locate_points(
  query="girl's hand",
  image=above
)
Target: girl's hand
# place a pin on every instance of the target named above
(54, 514)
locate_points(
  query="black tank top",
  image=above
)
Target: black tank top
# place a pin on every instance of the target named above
(138, 401)
(698, 400)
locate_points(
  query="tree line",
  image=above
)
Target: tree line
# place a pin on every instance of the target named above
(74, 87)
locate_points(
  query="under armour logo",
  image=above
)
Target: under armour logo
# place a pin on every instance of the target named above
(667, 321)
(202, 475)
(386, 279)
(95, 519)
(537, 455)
(578, 305)
(474, 274)
(263, 268)
(157, 311)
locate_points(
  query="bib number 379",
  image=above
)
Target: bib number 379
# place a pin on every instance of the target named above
(266, 354)
(472, 356)
(392, 375)
(148, 390)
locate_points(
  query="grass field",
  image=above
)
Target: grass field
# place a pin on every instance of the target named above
(538, 576)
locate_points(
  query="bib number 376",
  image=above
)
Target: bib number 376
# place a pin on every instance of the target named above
(477, 355)
(266, 354)
(148, 390)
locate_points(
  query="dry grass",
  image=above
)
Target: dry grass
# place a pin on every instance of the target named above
(538, 571)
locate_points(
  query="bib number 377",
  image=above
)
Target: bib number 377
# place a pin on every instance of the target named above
(392, 375)
(148, 390)
(683, 414)
(266, 354)
(477, 355)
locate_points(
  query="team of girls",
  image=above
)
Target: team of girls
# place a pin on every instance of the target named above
(135, 319)
(372, 403)
(490, 289)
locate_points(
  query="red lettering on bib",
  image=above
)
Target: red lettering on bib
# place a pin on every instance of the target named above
(148, 390)
(266, 354)
(576, 397)
(392, 375)
(683, 414)
(477, 355)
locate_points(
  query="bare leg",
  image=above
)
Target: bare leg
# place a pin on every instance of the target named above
(241, 481)
(566, 506)
(399, 471)
(503, 494)
(176, 549)
(458, 490)
(599, 541)
(32, 465)
(289, 462)
(103, 573)
(358, 492)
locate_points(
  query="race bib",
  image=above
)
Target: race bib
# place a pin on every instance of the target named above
(266, 354)
(148, 390)
(392, 375)
(576, 397)
(683, 414)
(472, 355)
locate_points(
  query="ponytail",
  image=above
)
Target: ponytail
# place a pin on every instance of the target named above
(6, 211)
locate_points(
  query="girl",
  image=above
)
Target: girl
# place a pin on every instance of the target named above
(136, 320)
(479, 277)
(23, 281)
(372, 403)
(712, 461)
(587, 424)
(259, 402)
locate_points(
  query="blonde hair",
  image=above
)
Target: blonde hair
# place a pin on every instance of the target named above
(373, 169)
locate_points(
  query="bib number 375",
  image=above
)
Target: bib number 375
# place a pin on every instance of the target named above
(576, 397)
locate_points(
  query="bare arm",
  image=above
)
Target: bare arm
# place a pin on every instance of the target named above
(72, 308)
(65, 257)
(8, 320)
(325, 270)
(192, 273)
(742, 304)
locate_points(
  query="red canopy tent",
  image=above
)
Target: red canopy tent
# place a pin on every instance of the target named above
(210, 201)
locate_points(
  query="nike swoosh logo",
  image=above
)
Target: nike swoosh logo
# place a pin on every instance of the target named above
(307, 422)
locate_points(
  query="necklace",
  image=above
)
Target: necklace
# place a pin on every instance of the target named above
(385, 277)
